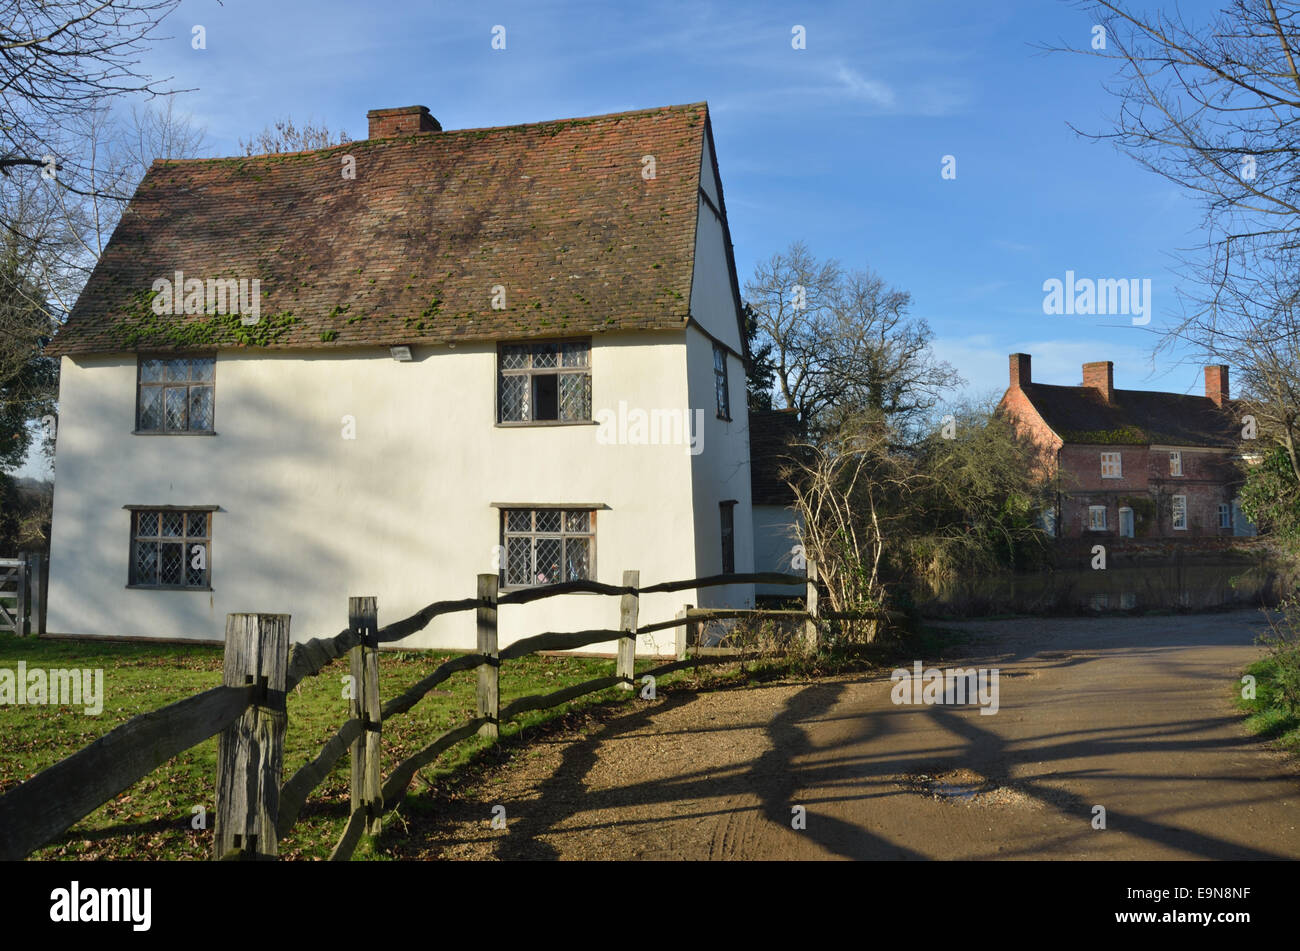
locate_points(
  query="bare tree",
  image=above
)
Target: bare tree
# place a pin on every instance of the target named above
(284, 136)
(1212, 107)
(844, 342)
(790, 296)
(59, 58)
(850, 492)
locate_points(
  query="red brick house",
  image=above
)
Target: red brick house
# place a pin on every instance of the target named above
(1132, 463)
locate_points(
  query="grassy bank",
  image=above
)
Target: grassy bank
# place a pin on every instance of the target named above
(1265, 717)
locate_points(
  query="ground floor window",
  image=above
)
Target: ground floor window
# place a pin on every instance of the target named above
(548, 546)
(728, 510)
(1096, 518)
(1179, 510)
(170, 548)
(1225, 515)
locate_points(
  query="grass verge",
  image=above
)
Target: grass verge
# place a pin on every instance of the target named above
(1265, 716)
(155, 817)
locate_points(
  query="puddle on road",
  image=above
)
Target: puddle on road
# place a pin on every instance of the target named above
(965, 786)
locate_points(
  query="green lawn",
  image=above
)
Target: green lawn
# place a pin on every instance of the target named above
(152, 819)
(1266, 717)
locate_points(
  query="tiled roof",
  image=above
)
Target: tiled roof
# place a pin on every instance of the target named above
(771, 434)
(409, 251)
(1078, 414)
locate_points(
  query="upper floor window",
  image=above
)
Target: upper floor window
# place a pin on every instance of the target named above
(170, 548)
(544, 382)
(1110, 465)
(1175, 463)
(174, 395)
(548, 546)
(720, 382)
(1179, 511)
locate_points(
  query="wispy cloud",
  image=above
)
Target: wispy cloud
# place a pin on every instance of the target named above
(857, 86)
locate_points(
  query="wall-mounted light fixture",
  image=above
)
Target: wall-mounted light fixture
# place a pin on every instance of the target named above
(401, 354)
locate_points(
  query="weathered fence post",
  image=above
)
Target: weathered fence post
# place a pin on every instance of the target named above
(489, 694)
(250, 751)
(684, 631)
(811, 624)
(363, 618)
(24, 578)
(627, 620)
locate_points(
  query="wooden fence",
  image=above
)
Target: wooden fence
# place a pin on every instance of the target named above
(22, 593)
(255, 807)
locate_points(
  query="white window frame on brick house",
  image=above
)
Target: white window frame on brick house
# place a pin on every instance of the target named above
(1175, 463)
(1225, 515)
(1178, 513)
(1097, 518)
(1112, 465)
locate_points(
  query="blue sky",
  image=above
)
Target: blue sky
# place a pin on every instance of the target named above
(839, 145)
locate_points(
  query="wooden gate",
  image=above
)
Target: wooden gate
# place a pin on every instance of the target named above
(23, 582)
(13, 595)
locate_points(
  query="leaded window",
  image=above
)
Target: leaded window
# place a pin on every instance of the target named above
(548, 546)
(720, 382)
(170, 548)
(544, 382)
(175, 395)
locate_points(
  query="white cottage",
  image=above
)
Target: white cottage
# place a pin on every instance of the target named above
(388, 366)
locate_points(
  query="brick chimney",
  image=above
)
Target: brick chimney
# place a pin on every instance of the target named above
(1020, 369)
(1216, 384)
(1101, 377)
(401, 121)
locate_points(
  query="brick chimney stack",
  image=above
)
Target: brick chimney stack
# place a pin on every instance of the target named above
(401, 121)
(1101, 377)
(1216, 384)
(1020, 369)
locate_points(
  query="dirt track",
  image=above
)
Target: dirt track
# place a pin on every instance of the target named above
(1132, 714)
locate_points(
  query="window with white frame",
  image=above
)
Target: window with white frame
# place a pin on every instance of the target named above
(1110, 465)
(720, 382)
(544, 382)
(1096, 518)
(1175, 463)
(170, 548)
(1225, 515)
(548, 546)
(1179, 510)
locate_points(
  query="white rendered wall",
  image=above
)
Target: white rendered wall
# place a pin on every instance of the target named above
(403, 511)
(774, 541)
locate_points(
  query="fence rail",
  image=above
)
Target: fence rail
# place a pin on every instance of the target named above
(253, 808)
